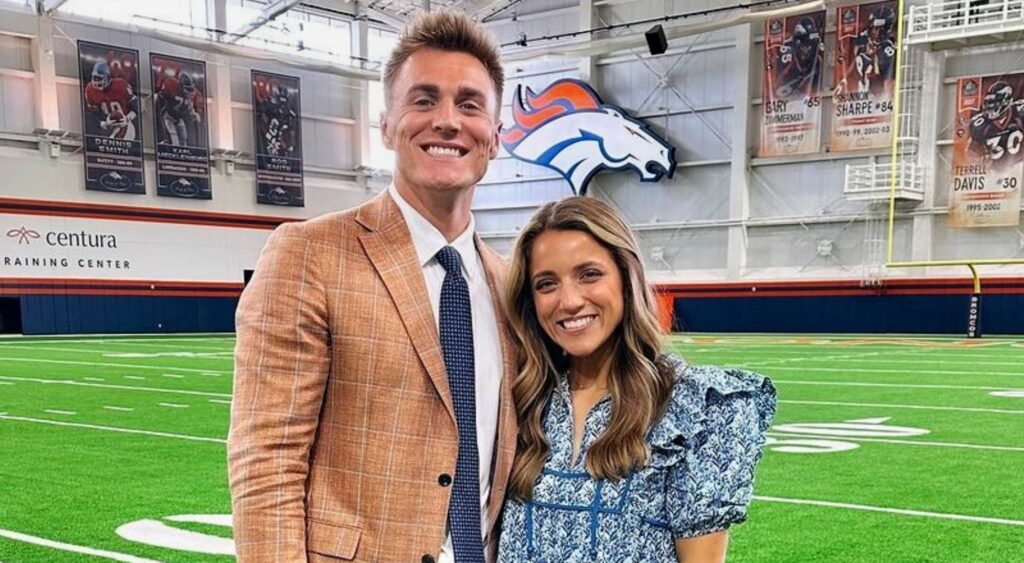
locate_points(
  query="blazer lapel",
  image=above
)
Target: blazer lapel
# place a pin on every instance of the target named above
(390, 249)
(505, 447)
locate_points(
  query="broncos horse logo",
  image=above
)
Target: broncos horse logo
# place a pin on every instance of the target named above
(568, 129)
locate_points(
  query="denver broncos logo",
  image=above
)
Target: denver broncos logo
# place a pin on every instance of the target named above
(568, 129)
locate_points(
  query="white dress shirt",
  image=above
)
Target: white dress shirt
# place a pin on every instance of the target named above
(487, 357)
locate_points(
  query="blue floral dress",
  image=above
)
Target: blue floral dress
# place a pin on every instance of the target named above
(700, 479)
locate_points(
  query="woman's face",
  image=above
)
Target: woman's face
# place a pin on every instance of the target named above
(577, 291)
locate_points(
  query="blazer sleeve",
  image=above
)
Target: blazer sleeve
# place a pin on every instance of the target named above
(282, 362)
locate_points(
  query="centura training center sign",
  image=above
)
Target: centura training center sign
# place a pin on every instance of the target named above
(988, 167)
(111, 120)
(794, 54)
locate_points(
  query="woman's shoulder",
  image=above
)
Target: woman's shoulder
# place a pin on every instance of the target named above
(707, 396)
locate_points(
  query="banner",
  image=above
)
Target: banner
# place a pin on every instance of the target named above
(865, 73)
(794, 55)
(277, 117)
(111, 124)
(988, 167)
(182, 130)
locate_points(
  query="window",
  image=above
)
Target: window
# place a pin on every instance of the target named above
(185, 17)
(296, 31)
(379, 42)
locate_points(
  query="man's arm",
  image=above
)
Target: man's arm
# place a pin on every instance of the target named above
(282, 361)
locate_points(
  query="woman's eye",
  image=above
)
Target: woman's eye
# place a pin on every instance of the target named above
(543, 285)
(591, 274)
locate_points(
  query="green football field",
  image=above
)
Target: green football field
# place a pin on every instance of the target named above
(884, 449)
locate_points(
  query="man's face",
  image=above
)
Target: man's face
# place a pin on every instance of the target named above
(441, 121)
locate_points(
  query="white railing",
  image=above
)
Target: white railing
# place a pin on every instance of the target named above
(872, 181)
(958, 19)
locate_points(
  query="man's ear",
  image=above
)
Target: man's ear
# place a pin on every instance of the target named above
(385, 131)
(497, 140)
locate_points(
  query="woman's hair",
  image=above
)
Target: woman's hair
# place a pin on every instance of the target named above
(447, 30)
(639, 387)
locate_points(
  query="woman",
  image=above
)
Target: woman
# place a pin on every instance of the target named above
(624, 454)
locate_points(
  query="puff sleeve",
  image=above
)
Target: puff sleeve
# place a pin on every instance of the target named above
(710, 441)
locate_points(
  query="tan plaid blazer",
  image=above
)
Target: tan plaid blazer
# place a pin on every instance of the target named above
(342, 420)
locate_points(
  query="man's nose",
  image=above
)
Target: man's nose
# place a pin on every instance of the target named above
(446, 119)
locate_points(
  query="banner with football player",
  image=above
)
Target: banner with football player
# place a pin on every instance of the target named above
(988, 164)
(277, 116)
(180, 122)
(794, 56)
(864, 73)
(111, 123)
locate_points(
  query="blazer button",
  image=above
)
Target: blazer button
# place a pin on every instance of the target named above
(427, 559)
(444, 480)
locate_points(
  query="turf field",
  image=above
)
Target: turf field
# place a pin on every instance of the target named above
(889, 449)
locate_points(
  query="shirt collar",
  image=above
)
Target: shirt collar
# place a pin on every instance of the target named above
(429, 241)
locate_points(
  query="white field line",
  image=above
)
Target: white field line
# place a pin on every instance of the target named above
(93, 379)
(104, 364)
(136, 377)
(896, 385)
(174, 405)
(111, 386)
(932, 356)
(864, 359)
(58, 411)
(901, 511)
(23, 346)
(896, 406)
(36, 540)
(785, 435)
(6, 383)
(220, 401)
(117, 429)
(903, 371)
(118, 409)
(173, 375)
(113, 338)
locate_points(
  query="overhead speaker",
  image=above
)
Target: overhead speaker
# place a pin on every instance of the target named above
(657, 43)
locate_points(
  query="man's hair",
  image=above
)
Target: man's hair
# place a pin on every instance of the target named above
(447, 30)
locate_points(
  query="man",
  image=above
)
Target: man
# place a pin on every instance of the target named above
(178, 103)
(372, 417)
(798, 61)
(113, 102)
(997, 131)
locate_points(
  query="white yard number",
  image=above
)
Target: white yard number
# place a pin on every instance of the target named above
(810, 438)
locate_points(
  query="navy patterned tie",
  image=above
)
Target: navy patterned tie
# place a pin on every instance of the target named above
(456, 326)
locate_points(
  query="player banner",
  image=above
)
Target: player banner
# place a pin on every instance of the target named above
(277, 117)
(182, 132)
(111, 123)
(988, 167)
(794, 55)
(865, 72)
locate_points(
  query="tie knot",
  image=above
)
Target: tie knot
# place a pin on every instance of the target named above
(449, 259)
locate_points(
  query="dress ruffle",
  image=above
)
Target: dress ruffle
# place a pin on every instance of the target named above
(697, 387)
